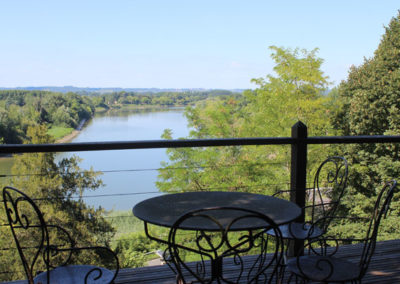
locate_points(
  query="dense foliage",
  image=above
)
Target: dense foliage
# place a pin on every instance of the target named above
(21, 109)
(295, 93)
(135, 249)
(371, 106)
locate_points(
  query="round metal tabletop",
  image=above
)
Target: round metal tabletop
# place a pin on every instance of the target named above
(166, 209)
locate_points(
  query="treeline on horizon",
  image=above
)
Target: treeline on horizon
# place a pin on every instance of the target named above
(63, 112)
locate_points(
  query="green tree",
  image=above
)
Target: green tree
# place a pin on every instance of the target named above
(135, 249)
(371, 106)
(62, 117)
(20, 109)
(295, 93)
(10, 131)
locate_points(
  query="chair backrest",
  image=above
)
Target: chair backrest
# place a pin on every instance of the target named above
(29, 231)
(325, 270)
(233, 246)
(42, 247)
(329, 185)
(381, 209)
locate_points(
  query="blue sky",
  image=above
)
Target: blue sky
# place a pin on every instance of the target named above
(179, 44)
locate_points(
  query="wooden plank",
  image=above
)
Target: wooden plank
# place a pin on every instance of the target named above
(384, 267)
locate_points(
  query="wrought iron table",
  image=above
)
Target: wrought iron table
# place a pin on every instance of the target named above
(166, 210)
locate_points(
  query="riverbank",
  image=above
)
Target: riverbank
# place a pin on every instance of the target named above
(73, 134)
(69, 137)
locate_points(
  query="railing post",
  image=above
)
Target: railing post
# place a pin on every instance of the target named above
(298, 175)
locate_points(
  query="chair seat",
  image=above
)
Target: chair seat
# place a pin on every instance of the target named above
(298, 231)
(321, 268)
(75, 274)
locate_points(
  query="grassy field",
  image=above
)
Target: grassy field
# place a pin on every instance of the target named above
(58, 132)
(100, 109)
(124, 222)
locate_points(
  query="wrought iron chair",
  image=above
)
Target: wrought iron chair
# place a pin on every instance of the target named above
(231, 247)
(322, 201)
(321, 266)
(45, 260)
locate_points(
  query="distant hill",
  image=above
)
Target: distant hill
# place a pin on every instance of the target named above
(66, 89)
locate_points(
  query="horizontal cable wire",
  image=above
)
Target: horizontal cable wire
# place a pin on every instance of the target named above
(144, 170)
(159, 192)
(154, 192)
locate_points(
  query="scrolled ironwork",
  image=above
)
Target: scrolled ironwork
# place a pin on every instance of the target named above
(13, 211)
(28, 229)
(34, 238)
(92, 272)
(329, 185)
(322, 202)
(56, 251)
(322, 265)
(204, 239)
(226, 245)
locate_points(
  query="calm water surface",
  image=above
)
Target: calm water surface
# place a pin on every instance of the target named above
(130, 175)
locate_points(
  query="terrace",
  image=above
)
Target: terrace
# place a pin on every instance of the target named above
(385, 264)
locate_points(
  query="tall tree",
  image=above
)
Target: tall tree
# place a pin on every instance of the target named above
(371, 106)
(295, 93)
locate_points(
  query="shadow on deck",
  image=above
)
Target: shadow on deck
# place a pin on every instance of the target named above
(384, 266)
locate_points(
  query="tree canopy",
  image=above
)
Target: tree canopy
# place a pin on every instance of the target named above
(295, 93)
(22, 109)
(371, 106)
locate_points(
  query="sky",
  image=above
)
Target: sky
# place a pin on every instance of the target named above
(179, 43)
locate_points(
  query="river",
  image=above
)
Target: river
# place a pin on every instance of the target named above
(129, 176)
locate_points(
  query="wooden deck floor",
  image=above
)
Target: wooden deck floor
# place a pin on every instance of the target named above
(384, 267)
